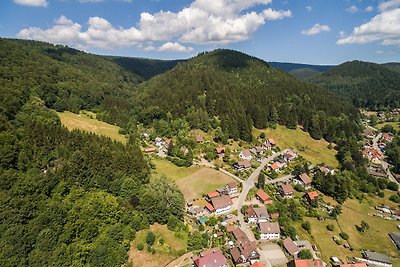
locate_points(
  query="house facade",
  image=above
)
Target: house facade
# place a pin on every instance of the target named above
(269, 230)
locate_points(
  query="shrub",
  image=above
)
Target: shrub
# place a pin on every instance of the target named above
(344, 235)
(305, 254)
(330, 227)
(140, 246)
(150, 238)
(306, 226)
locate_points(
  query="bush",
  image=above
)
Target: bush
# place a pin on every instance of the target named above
(140, 246)
(330, 227)
(150, 238)
(305, 254)
(306, 226)
(394, 198)
(262, 135)
(344, 235)
(392, 186)
(381, 194)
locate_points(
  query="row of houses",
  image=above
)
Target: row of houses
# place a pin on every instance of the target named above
(280, 163)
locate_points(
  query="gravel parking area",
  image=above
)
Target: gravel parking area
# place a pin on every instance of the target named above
(273, 253)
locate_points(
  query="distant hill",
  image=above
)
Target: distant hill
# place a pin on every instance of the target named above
(367, 85)
(241, 91)
(394, 66)
(301, 71)
(146, 68)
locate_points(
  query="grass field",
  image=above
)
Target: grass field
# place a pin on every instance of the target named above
(173, 245)
(85, 122)
(193, 181)
(353, 212)
(396, 125)
(315, 151)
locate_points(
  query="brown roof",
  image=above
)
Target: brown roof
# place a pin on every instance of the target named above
(239, 235)
(221, 202)
(199, 139)
(358, 264)
(290, 246)
(271, 141)
(215, 259)
(269, 228)
(262, 195)
(274, 215)
(232, 185)
(235, 254)
(287, 189)
(275, 166)
(246, 153)
(245, 163)
(305, 178)
(231, 228)
(209, 207)
(220, 149)
(261, 212)
(250, 211)
(149, 149)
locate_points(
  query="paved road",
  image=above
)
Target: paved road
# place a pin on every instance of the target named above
(385, 165)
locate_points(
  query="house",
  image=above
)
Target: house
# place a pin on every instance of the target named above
(231, 188)
(377, 172)
(199, 139)
(274, 216)
(220, 150)
(269, 230)
(369, 133)
(245, 154)
(310, 196)
(158, 141)
(245, 250)
(256, 215)
(211, 258)
(196, 211)
(287, 190)
(222, 204)
(377, 258)
(291, 247)
(306, 263)
(258, 264)
(372, 155)
(326, 170)
(304, 180)
(149, 150)
(276, 166)
(184, 150)
(167, 143)
(270, 142)
(209, 207)
(290, 156)
(396, 239)
(242, 165)
(387, 137)
(259, 150)
(263, 197)
(212, 195)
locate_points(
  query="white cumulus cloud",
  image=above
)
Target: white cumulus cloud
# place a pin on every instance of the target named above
(202, 22)
(384, 28)
(174, 47)
(389, 5)
(352, 9)
(35, 3)
(309, 8)
(369, 8)
(317, 28)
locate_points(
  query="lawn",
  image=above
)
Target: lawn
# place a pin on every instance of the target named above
(173, 246)
(193, 181)
(315, 151)
(353, 212)
(396, 125)
(86, 121)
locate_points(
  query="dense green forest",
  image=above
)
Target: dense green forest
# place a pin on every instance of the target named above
(70, 198)
(301, 71)
(367, 85)
(242, 92)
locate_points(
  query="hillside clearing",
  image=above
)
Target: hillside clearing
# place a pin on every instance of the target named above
(395, 124)
(174, 245)
(193, 181)
(315, 151)
(85, 122)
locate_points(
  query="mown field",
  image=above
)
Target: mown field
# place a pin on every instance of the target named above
(376, 238)
(85, 121)
(173, 246)
(193, 181)
(396, 125)
(315, 151)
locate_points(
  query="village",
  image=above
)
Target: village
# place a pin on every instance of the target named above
(241, 218)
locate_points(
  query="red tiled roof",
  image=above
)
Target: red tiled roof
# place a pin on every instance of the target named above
(308, 263)
(271, 141)
(312, 195)
(258, 264)
(210, 207)
(275, 166)
(274, 215)
(213, 194)
(263, 196)
(231, 228)
(149, 149)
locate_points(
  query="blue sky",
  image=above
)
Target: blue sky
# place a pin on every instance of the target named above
(305, 31)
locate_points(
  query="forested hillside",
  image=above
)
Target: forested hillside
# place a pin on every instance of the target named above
(367, 85)
(70, 198)
(301, 71)
(241, 92)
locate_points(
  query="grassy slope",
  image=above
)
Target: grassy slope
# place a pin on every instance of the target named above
(85, 123)
(193, 181)
(396, 125)
(316, 151)
(164, 253)
(376, 238)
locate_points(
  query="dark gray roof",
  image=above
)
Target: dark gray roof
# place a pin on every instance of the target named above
(374, 256)
(396, 239)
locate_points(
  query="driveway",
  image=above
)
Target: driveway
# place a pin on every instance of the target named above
(272, 254)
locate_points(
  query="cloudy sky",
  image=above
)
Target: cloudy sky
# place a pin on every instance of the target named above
(305, 31)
